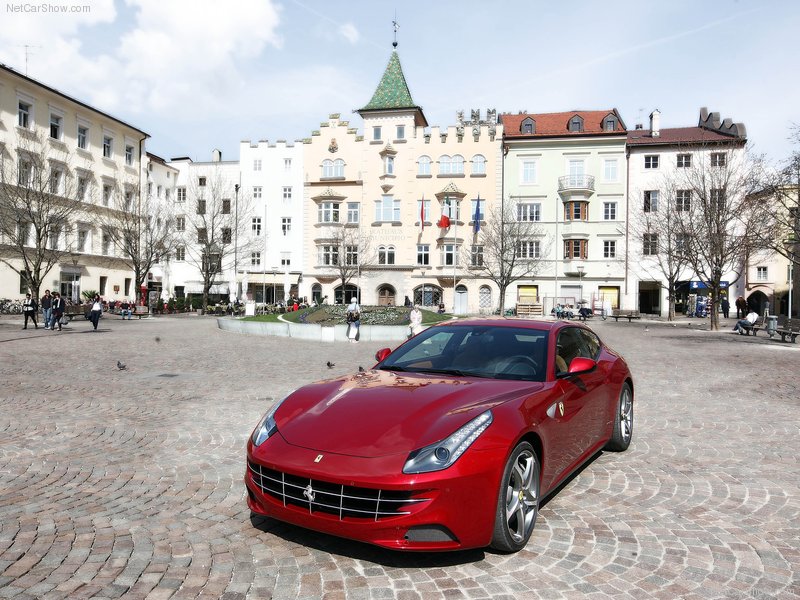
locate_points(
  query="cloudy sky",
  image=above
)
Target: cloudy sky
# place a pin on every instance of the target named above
(203, 74)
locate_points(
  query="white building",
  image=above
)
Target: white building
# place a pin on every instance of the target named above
(657, 157)
(270, 265)
(57, 147)
(159, 184)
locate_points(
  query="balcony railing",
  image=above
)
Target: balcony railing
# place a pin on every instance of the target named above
(576, 182)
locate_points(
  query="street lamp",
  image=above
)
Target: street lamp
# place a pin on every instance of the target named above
(422, 299)
(236, 241)
(580, 279)
(274, 285)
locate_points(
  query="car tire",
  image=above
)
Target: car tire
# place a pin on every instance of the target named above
(623, 421)
(517, 500)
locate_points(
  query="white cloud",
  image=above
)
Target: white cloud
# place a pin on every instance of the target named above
(349, 32)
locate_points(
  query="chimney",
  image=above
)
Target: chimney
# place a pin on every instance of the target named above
(655, 123)
(639, 126)
(216, 155)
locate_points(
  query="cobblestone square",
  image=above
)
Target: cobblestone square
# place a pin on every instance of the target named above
(128, 483)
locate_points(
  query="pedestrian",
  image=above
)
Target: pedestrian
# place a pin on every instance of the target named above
(58, 311)
(726, 307)
(96, 312)
(741, 307)
(415, 319)
(407, 302)
(29, 310)
(47, 308)
(353, 320)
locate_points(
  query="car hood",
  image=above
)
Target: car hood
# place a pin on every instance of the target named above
(377, 413)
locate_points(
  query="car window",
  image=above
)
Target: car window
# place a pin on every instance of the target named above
(571, 344)
(429, 348)
(592, 343)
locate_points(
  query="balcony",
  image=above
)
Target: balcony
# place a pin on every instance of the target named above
(576, 184)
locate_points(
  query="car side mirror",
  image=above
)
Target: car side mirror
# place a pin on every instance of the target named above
(382, 353)
(581, 365)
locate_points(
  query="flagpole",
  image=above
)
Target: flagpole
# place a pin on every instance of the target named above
(455, 252)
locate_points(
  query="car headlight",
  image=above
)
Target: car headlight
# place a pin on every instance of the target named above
(444, 453)
(267, 425)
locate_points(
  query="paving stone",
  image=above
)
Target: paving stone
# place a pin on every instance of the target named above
(128, 484)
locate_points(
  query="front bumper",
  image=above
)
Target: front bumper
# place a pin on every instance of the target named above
(371, 500)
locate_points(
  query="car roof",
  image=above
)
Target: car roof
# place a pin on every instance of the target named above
(537, 324)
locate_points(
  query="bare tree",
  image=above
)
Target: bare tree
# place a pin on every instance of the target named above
(507, 249)
(724, 223)
(38, 198)
(141, 227)
(348, 251)
(214, 227)
(662, 246)
(784, 192)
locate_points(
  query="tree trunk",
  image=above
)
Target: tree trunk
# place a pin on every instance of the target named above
(502, 301)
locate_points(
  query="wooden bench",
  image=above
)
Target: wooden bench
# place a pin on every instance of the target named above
(141, 311)
(618, 314)
(788, 328)
(77, 310)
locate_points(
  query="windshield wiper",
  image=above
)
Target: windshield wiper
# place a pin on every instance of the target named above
(392, 368)
(457, 372)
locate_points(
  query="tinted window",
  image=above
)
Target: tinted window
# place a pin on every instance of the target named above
(572, 343)
(480, 351)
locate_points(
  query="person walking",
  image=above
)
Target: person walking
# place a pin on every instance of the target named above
(726, 307)
(58, 311)
(741, 307)
(47, 308)
(353, 320)
(29, 310)
(96, 312)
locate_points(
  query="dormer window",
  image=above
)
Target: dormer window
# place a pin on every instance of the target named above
(528, 126)
(610, 123)
(576, 123)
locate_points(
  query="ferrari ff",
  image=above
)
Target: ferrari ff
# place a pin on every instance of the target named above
(448, 442)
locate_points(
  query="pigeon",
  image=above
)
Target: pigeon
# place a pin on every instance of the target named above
(121, 366)
(646, 328)
(360, 369)
(330, 364)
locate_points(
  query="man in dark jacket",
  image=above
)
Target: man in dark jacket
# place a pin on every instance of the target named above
(58, 310)
(29, 310)
(47, 308)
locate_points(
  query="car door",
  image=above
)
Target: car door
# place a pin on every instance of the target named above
(582, 397)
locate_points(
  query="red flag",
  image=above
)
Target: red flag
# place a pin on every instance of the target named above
(444, 222)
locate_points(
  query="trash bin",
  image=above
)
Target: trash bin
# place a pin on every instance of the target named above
(772, 324)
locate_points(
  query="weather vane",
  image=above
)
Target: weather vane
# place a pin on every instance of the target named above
(395, 27)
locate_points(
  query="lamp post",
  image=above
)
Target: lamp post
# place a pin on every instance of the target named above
(236, 240)
(422, 299)
(580, 280)
(274, 285)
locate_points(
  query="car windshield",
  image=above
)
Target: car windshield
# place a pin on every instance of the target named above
(475, 351)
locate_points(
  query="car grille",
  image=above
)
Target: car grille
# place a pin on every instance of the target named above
(344, 501)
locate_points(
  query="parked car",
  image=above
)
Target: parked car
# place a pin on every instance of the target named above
(448, 442)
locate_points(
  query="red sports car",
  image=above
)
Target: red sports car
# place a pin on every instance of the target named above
(449, 442)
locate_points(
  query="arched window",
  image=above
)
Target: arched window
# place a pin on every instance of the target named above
(424, 165)
(457, 164)
(343, 296)
(386, 295)
(444, 165)
(332, 168)
(428, 294)
(316, 293)
(528, 125)
(479, 165)
(386, 255)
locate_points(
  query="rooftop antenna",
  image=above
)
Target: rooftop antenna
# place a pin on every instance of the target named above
(27, 53)
(395, 27)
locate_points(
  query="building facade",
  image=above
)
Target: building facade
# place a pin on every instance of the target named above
(663, 164)
(64, 165)
(374, 201)
(567, 173)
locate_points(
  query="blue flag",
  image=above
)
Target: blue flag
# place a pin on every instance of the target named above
(476, 218)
